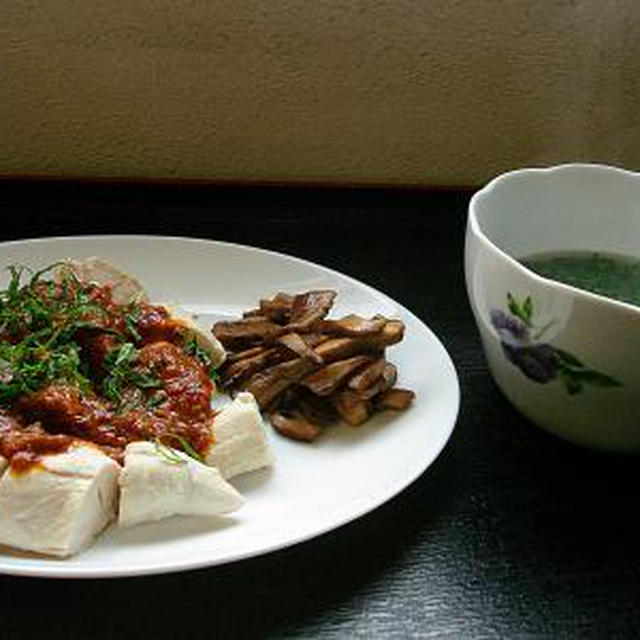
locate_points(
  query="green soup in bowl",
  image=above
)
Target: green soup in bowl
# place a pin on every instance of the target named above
(552, 265)
(608, 275)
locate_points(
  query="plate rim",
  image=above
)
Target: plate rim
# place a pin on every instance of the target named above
(392, 490)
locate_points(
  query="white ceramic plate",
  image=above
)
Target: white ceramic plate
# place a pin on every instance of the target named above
(312, 488)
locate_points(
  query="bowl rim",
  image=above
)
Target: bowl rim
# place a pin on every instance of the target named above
(473, 227)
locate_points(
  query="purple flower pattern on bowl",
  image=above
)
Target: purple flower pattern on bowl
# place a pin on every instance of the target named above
(540, 361)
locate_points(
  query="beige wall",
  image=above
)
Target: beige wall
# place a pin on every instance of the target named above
(399, 91)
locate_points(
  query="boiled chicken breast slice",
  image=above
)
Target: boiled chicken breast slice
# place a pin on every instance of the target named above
(158, 482)
(241, 443)
(125, 287)
(58, 506)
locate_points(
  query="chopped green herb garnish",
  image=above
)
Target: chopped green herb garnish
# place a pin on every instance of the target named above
(168, 453)
(156, 400)
(48, 327)
(38, 323)
(125, 379)
(192, 348)
(184, 444)
(26, 368)
(131, 322)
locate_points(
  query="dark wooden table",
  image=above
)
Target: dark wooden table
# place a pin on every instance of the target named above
(511, 533)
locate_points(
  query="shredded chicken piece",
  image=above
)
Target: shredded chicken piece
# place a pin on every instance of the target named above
(267, 385)
(295, 426)
(308, 308)
(351, 407)
(278, 309)
(384, 382)
(329, 378)
(352, 325)
(246, 331)
(298, 345)
(398, 399)
(367, 376)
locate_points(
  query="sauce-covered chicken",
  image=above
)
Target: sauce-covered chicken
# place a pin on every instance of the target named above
(78, 363)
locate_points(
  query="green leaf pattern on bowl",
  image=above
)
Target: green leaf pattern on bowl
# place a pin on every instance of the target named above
(540, 361)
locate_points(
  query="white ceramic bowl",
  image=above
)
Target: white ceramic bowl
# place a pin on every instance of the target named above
(575, 371)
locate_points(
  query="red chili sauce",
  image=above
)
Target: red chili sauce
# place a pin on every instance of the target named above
(54, 417)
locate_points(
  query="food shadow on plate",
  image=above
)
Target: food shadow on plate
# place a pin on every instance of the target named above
(247, 483)
(179, 527)
(173, 528)
(13, 552)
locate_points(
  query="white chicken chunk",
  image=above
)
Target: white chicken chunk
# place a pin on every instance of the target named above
(241, 443)
(205, 340)
(158, 482)
(58, 506)
(125, 288)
